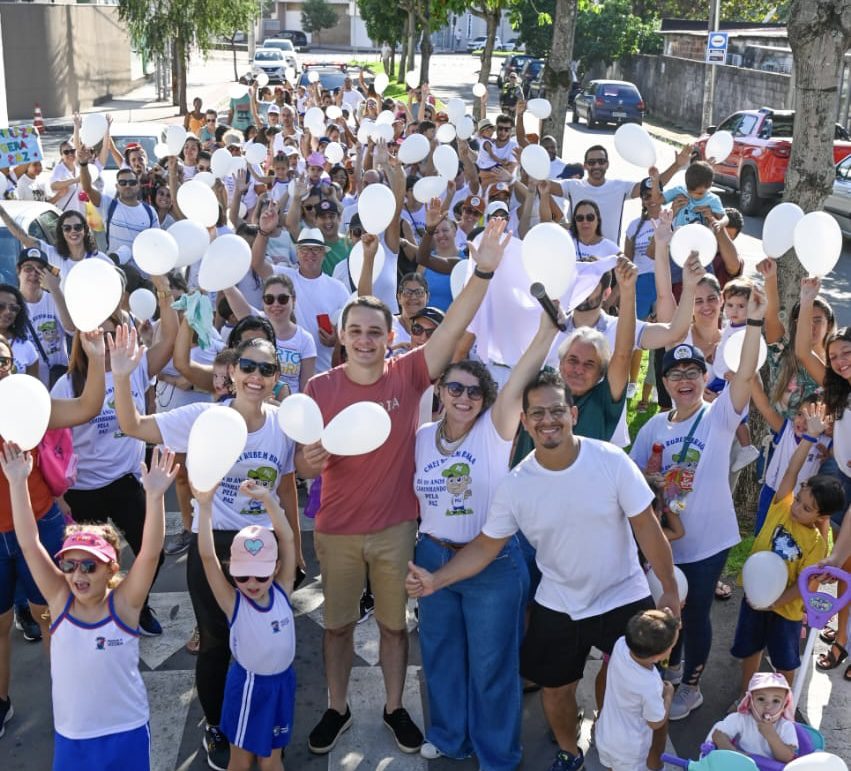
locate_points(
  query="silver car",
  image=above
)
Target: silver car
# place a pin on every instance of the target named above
(38, 219)
(838, 203)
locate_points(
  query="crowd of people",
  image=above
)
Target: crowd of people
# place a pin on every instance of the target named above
(502, 500)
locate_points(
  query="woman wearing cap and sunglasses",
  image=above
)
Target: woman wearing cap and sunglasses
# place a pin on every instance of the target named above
(267, 458)
(470, 632)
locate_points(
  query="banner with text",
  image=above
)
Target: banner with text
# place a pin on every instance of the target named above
(18, 145)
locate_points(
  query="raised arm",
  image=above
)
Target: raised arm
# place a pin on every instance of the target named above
(618, 372)
(763, 404)
(224, 593)
(740, 386)
(666, 304)
(774, 329)
(84, 157)
(200, 375)
(27, 241)
(434, 216)
(289, 544)
(658, 335)
(160, 352)
(238, 304)
(803, 336)
(294, 212)
(816, 426)
(65, 413)
(50, 282)
(680, 161)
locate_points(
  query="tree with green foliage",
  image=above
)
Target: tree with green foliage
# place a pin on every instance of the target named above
(608, 31)
(384, 23)
(317, 15)
(731, 10)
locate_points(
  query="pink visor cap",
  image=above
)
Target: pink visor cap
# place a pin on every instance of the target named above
(91, 543)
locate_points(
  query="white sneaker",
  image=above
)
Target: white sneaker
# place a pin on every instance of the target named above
(429, 751)
(687, 699)
(631, 390)
(744, 457)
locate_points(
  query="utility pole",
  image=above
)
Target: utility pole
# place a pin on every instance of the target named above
(709, 69)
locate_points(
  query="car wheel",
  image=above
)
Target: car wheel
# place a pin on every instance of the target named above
(749, 199)
(592, 121)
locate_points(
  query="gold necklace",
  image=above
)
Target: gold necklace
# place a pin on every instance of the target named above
(451, 445)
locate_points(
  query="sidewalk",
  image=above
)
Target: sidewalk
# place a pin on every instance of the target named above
(671, 136)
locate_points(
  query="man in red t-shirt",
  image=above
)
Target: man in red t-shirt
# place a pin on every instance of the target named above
(367, 516)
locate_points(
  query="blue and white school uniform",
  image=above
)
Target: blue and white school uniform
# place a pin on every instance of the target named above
(257, 714)
(100, 705)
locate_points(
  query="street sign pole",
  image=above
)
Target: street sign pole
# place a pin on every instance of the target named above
(713, 54)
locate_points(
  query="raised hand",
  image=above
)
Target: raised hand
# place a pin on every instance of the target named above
(817, 420)
(253, 489)
(488, 254)
(663, 231)
(125, 353)
(693, 271)
(16, 463)
(269, 217)
(756, 304)
(626, 273)
(158, 478)
(93, 344)
(768, 269)
(810, 288)
(434, 213)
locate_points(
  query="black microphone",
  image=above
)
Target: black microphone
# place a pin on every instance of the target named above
(539, 292)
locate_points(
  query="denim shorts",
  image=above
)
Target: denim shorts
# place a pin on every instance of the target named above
(758, 630)
(13, 567)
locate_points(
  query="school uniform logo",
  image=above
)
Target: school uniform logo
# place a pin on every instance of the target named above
(100, 643)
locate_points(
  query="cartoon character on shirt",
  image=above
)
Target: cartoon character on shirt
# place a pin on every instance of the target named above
(458, 485)
(265, 476)
(784, 545)
(678, 480)
(49, 335)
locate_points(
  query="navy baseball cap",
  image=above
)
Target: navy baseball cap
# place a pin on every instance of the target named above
(683, 354)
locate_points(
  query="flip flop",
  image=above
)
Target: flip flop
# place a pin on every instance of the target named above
(723, 591)
(828, 635)
(828, 661)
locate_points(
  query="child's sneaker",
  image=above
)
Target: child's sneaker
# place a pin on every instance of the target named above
(6, 713)
(566, 762)
(687, 699)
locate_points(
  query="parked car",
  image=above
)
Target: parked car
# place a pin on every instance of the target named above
(272, 62)
(531, 70)
(296, 36)
(147, 134)
(477, 43)
(513, 63)
(38, 219)
(608, 101)
(285, 46)
(513, 45)
(762, 145)
(838, 203)
(331, 76)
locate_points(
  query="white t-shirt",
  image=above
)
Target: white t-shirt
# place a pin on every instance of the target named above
(401, 336)
(609, 197)
(700, 486)
(64, 264)
(291, 353)
(315, 296)
(785, 445)
(633, 699)
(70, 201)
(416, 218)
(455, 492)
(352, 99)
(641, 242)
(104, 452)
(384, 287)
(578, 521)
(51, 334)
(24, 355)
(744, 729)
(589, 252)
(268, 455)
(127, 222)
(504, 153)
(29, 189)
(346, 218)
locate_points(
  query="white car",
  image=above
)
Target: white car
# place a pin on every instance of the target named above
(286, 47)
(838, 203)
(38, 219)
(147, 134)
(478, 43)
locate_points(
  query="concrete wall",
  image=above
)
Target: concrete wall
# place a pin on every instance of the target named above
(65, 57)
(673, 88)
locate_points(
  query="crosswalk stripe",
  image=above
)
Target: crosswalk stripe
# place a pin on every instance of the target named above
(169, 696)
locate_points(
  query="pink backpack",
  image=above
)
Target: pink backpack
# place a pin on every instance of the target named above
(57, 461)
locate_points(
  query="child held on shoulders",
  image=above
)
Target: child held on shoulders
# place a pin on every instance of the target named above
(262, 633)
(636, 701)
(698, 178)
(792, 531)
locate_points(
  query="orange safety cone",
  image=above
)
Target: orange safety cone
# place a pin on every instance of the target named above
(38, 121)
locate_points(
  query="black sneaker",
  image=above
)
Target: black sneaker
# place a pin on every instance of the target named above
(367, 606)
(6, 712)
(217, 748)
(324, 736)
(25, 623)
(408, 737)
(149, 626)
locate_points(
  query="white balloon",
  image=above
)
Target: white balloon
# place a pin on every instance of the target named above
(333, 112)
(535, 161)
(540, 108)
(255, 153)
(779, 227)
(334, 152)
(732, 351)
(300, 419)
(458, 278)
(429, 187)
(635, 146)
(382, 131)
(412, 78)
(549, 257)
(356, 262)
(313, 76)
(92, 293)
(364, 130)
(315, 115)
(360, 428)
(479, 89)
(93, 128)
(385, 116)
(376, 207)
(719, 146)
(818, 242)
(237, 163)
(161, 150)
(445, 133)
(262, 79)
(221, 163)
(192, 241)
(817, 761)
(764, 577)
(455, 109)
(693, 237)
(225, 263)
(155, 251)
(24, 410)
(381, 83)
(842, 442)
(656, 585)
(216, 440)
(175, 138)
(237, 90)
(465, 127)
(205, 177)
(445, 160)
(413, 149)
(143, 304)
(198, 203)
(289, 75)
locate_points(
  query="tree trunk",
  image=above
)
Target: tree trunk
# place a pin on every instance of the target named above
(558, 76)
(403, 57)
(412, 43)
(175, 73)
(426, 47)
(492, 21)
(182, 65)
(233, 49)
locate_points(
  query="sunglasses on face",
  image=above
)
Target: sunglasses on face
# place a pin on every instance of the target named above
(281, 299)
(128, 182)
(69, 151)
(11, 307)
(413, 293)
(596, 162)
(474, 392)
(248, 366)
(5, 363)
(77, 227)
(585, 217)
(419, 329)
(86, 566)
(245, 579)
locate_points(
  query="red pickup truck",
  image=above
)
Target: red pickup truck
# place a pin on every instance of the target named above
(762, 144)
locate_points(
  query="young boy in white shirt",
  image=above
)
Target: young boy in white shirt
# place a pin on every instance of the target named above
(636, 701)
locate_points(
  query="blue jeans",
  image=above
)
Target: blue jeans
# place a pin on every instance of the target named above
(470, 636)
(13, 568)
(696, 635)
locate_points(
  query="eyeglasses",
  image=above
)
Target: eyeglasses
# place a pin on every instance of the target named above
(86, 566)
(596, 161)
(537, 414)
(676, 375)
(270, 299)
(5, 363)
(455, 389)
(248, 366)
(69, 152)
(77, 227)
(410, 293)
(128, 182)
(356, 232)
(585, 217)
(11, 307)
(419, 329)
(245, 579)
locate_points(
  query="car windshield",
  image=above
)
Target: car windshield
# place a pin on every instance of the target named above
(329, 79)
(268, 56)
(611, 91)
(147, 141)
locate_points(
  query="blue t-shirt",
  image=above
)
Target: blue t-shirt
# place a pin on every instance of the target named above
(689, 213)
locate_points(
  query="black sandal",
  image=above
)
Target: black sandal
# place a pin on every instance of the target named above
(828, 661)
(828, 635)
(847, 676)
(723, 591)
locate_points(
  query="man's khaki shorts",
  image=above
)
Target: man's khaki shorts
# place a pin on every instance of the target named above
(344, 561)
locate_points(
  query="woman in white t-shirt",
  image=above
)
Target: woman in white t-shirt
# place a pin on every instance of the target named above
(14, 327)
(470, 632)
(586, 227)
(267, 458)
(412, 296)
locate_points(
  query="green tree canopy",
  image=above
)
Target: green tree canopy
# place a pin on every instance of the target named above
(317, 15)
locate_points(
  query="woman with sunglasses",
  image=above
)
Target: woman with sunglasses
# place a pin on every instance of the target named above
(266, 459)
(470, 632)
(164, 206)
(412, 297)
(65, 181)
(92, 608)
(586, 227)
(14, 326)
